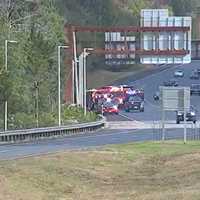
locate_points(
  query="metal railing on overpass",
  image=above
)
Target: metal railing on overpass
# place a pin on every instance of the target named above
(15, 136)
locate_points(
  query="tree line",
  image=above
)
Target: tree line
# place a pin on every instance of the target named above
(37, 29)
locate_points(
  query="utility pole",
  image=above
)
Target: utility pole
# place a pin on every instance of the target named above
(36, 87)
(59, 85)
(80, 80)
(85, 54)
(75, 73)
(6, 68)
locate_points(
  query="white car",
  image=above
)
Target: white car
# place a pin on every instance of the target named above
(178, 73)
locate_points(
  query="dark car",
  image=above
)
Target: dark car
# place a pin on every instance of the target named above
(132, 90)
(156, 96)
(190, 116)
(198, 70)
(195, 89)
(194, 75)
(140, 93)
(170, 83)
(134, 103)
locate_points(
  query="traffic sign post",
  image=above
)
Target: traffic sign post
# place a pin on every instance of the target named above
(185, 128)
(163, 125)
(175, 99)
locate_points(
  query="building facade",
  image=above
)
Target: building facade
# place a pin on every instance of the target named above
(170, 40)
(120, 42)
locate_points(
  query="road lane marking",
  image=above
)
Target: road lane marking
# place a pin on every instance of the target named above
(4, 151)
(156, 73)
(129, 118)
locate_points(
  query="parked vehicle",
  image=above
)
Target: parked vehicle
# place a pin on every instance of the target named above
(190, 116)
(118, 98)
(178, 73)
(125, 88)
(130, 90)
(170, 83)
(98, 106)
(140, 93)
(110, 108)
(115, 94)
(195, 89)
(107, 89)
(134, 102)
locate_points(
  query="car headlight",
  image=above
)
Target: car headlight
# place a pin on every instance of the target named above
(192, 113)
(115, 107)
(120, 100)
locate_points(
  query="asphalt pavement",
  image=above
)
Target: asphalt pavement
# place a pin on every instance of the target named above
(88, 141)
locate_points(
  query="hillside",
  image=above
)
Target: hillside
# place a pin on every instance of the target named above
(101, 13)
(95, 12)
(121, 12)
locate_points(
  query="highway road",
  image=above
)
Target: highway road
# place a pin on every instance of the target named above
(151, 84)
(92, 140)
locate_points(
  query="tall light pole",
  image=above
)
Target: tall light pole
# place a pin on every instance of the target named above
(6, 68)
(59, 88)
(85, 54)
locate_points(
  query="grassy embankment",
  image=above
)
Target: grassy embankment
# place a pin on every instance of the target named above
(133, 171)
(101, 77)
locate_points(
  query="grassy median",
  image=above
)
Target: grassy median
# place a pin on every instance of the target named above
(143, 171)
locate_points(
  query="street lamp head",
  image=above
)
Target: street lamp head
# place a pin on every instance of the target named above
(63, 46)
(11, 41)
(89, 49)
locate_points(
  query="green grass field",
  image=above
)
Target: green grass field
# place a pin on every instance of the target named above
(141, 171)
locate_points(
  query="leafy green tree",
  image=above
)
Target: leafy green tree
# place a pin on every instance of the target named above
(5, 86)
(181, 7)
(137, 6)
(38, 29)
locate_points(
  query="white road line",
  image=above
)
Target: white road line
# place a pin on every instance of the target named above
(108, 134)
(151, 104)
(129, 118)
(4, 151)
(160, 72)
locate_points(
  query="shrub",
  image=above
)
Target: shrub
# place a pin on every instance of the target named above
(22, 121)
(75, 114)
(47, 119)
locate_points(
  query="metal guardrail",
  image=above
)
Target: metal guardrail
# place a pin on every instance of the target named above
(15, 136)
